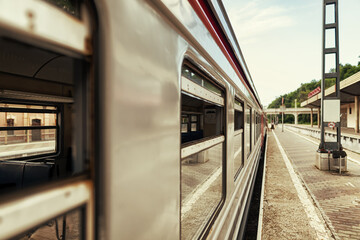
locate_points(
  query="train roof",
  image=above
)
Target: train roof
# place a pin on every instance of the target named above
(215, 18)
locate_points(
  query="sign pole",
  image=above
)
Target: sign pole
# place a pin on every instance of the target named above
(330, 106)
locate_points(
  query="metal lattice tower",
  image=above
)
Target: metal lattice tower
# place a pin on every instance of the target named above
(330, 106)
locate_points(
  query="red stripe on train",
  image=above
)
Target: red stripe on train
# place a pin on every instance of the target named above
(205, 14)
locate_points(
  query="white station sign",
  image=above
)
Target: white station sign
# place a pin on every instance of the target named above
(332, 110)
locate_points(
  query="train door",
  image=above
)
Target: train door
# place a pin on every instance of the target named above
(45, 70)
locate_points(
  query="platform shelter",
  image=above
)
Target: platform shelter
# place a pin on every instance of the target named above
(349, 101)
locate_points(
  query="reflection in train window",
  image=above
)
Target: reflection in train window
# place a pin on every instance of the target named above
(42, 99)
(248, 130)
(200, 79)
(193, 127)
(258, 126)
(209, 114)
(239, 115)
(253, 129)
(184, 123)
(189, 126)
(202, 153)
(67, 226)
(238, 136)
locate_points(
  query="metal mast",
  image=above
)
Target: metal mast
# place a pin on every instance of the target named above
(330, 106)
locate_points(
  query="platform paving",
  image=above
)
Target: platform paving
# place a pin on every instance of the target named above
(337, 197)
(23, 149)
(284, 216)
(345, 131)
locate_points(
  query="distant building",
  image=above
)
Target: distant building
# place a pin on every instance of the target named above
(24, 119)
(349, 101)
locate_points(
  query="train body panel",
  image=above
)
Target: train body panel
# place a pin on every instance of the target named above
(140, 141)
(167, 120)
(196, 44)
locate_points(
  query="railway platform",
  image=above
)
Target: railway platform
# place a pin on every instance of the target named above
(301, 202)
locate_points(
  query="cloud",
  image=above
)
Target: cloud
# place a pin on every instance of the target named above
(252, 20)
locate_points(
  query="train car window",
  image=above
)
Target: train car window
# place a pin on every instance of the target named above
(35, 131)
(209, 119)
(46, 109)
(248, 130)
(238, 137)
(42, 99)
(202, 152)
(258, 126)
(253, 129)
(200, 79)
(239, 115)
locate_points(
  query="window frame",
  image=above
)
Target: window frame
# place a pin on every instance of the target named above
(58, 127)
(240, 108)
(193, 147)
(249, 108)
(44, 202)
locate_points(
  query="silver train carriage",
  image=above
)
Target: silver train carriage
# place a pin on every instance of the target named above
(124, 120)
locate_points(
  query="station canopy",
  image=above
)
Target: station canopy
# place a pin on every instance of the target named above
(349, 88)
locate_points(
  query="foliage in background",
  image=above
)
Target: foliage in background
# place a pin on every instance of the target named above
(289, 118)
(301, 94)
(348, 70)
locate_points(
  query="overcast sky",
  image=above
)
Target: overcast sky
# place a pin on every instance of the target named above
(281, 40)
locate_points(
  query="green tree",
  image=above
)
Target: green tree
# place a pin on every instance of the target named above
(301, 94)
(348, 70)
